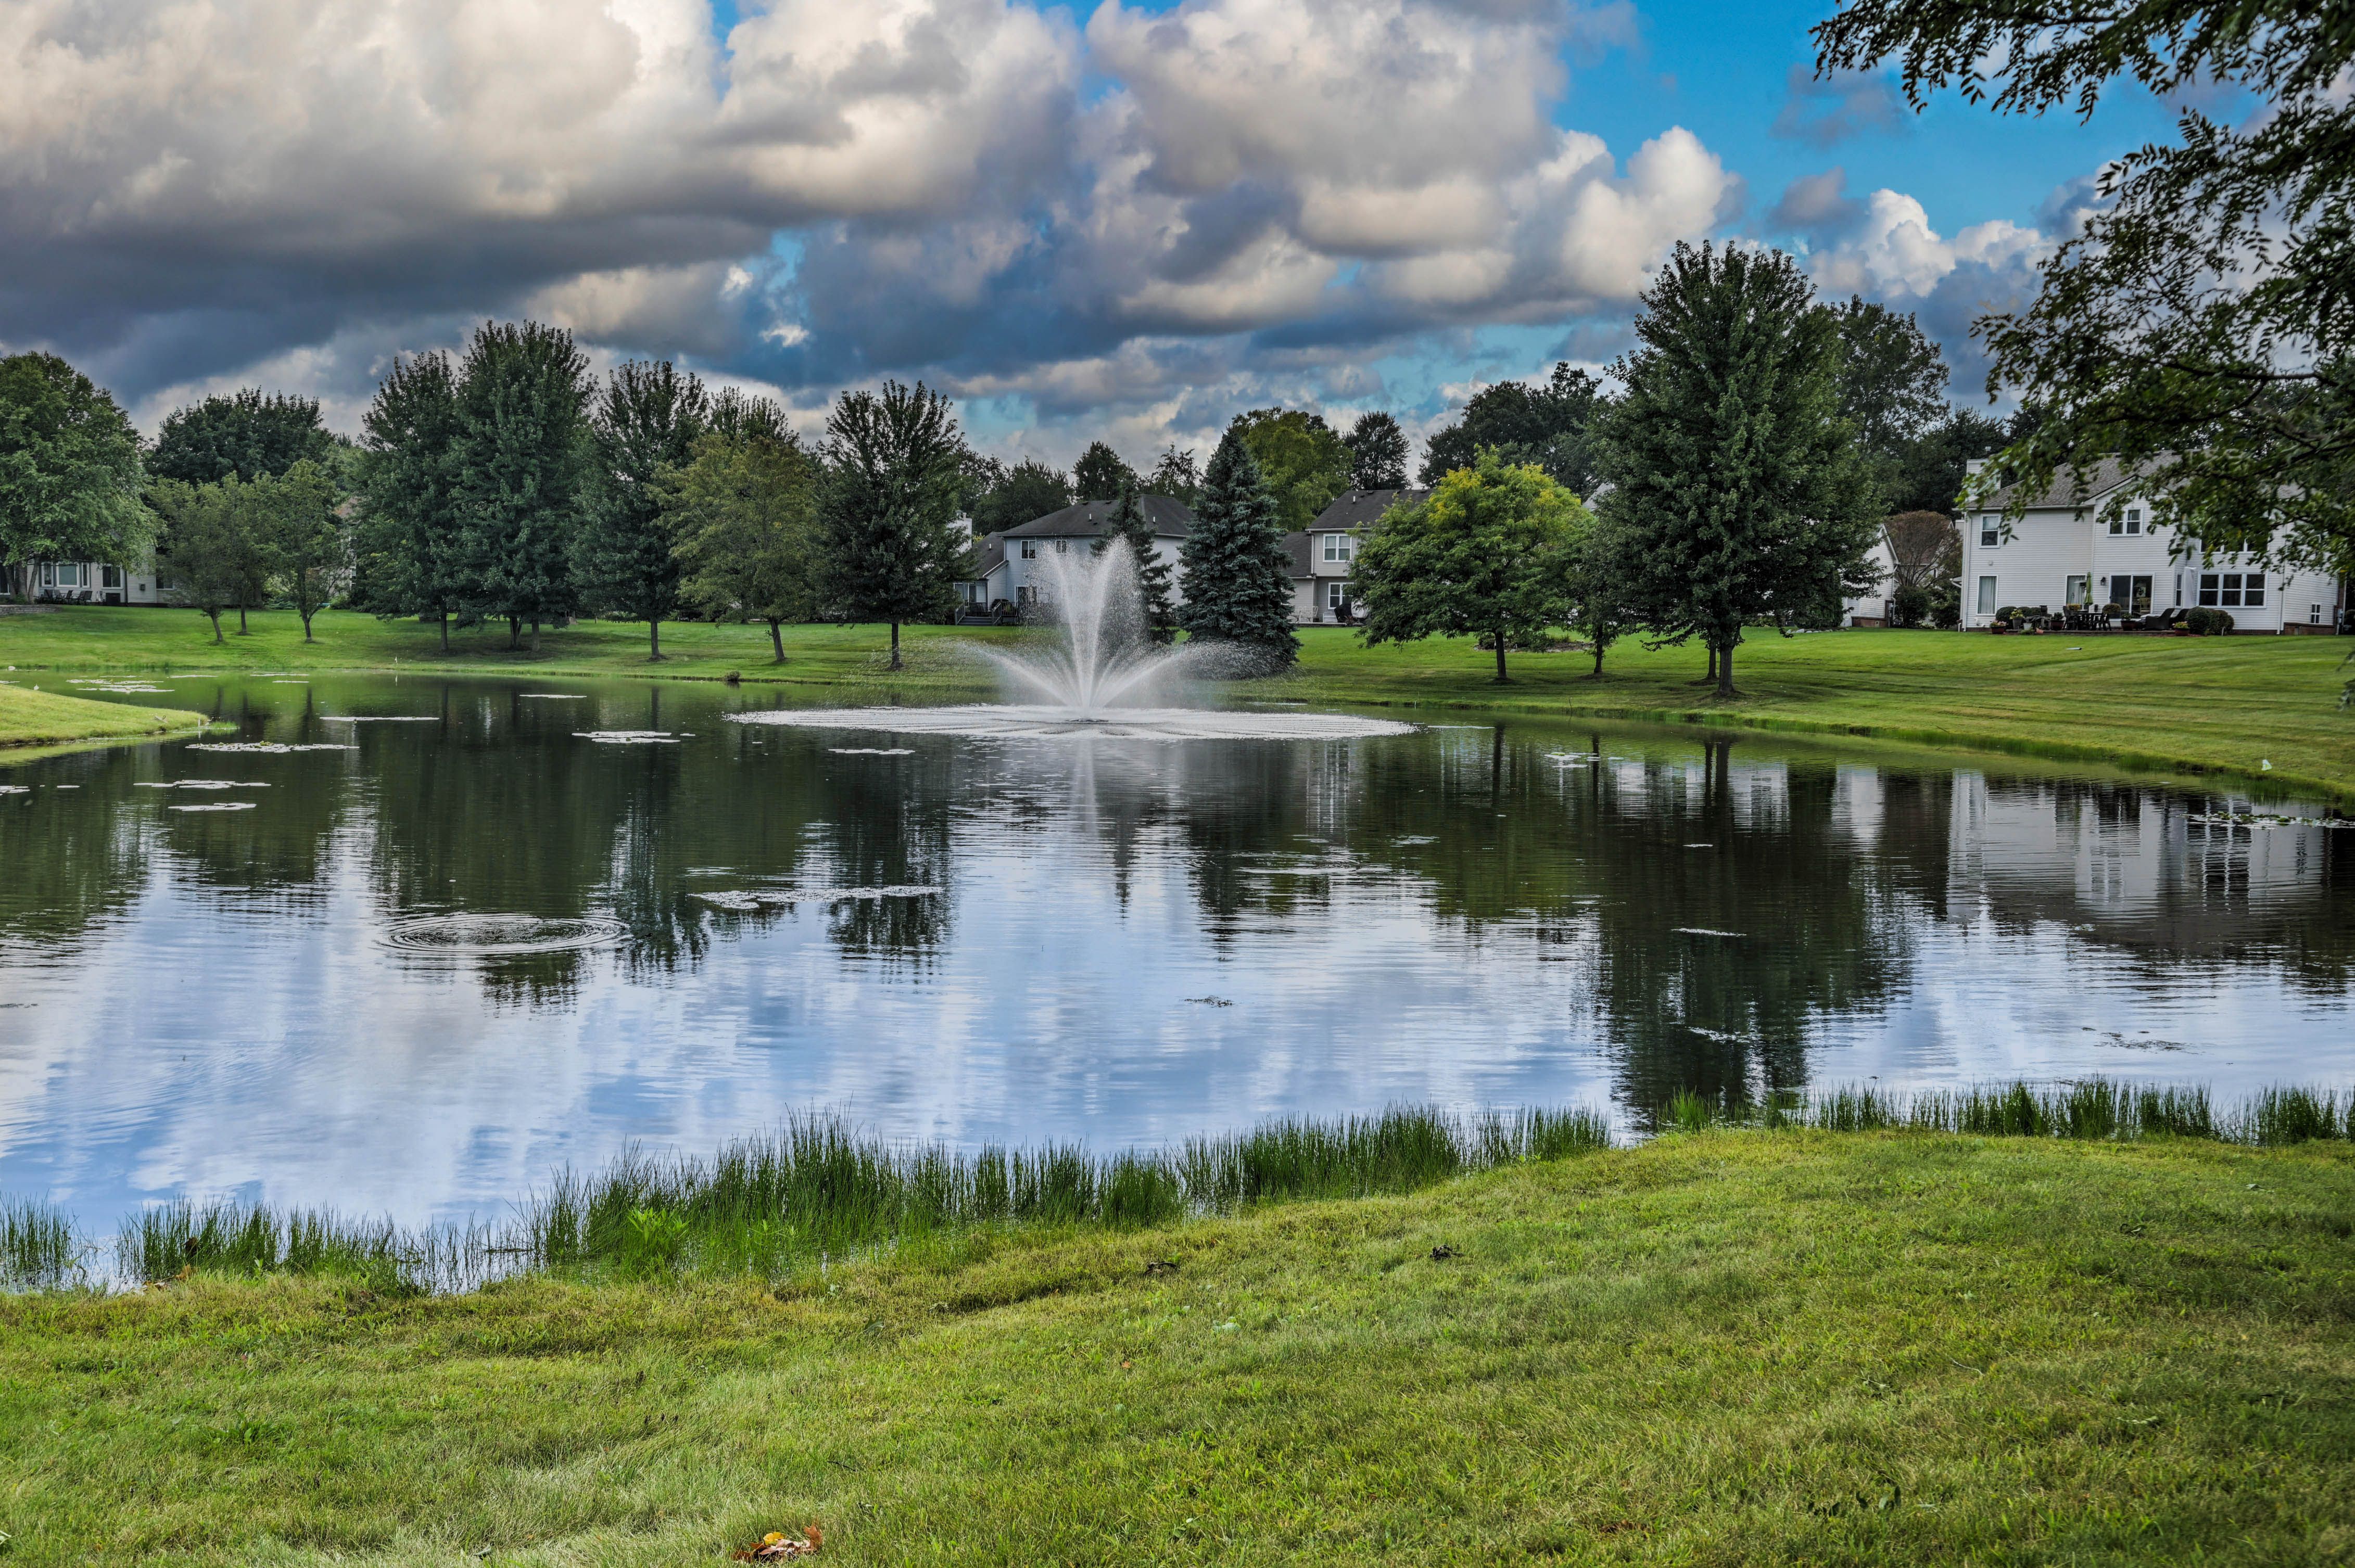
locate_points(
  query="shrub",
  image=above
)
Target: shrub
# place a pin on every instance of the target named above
(2207, 623)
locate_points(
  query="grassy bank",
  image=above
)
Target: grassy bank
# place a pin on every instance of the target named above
(2225, 705)
(32, 717)
(1724, 1347)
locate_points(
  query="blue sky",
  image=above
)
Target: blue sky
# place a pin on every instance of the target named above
(1119, 221)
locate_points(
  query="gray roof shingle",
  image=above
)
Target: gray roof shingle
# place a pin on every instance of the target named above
(1168, 517)
(1354, 509)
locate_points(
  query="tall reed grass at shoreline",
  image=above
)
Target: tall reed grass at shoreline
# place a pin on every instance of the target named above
(815, 1188)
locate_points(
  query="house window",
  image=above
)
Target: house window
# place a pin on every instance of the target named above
(1062, 547)
(1990, 533)
(1025, 597)
(1337, 547)
(2131, 523)
(2080, 592)
(1334, 594)
(109, 577)
(69, 574)
(1030, 549)
(2231, 590)
(2130, 594)
(1987, 596)
(48, 574)
(2314, 615)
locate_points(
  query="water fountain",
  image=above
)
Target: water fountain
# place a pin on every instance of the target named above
(1104, 675)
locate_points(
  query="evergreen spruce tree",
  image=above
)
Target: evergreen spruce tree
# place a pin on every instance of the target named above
(522, 398)
(626, 554)
(412, 542)
(1157, 617)
(896, 474)
(1236, 588)
(1739, 490)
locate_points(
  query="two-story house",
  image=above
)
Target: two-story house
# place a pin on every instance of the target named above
(1323, 554)
(2094, 542)
(94, 582)
(1016, 562)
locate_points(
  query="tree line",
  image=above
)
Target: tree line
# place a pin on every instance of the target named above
(504, 483)
(1739, 476)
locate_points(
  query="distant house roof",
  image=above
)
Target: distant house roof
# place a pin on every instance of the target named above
(1168, 517)
(1296, 556)
(2070, 488)
(1355, 509)
(993, 556)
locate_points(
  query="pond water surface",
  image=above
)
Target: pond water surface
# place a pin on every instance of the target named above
(492, 927)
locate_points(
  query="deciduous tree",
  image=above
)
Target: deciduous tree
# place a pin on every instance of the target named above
(239, 435)
(70, 469)
(1027, 491)
(1376, 452)
(626, 554)
(1305, 465)
(2200, 327)
(1738, 486)
(895, 470)
(303, 535)
(1238, 590)
(214, 550)
(1177, 475)
(1490, 553)
(745, 510)
(413, 537)
(1100, 474)
(1551, 426)
(522, 401)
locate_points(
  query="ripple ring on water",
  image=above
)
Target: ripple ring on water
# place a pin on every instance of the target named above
(499, 936)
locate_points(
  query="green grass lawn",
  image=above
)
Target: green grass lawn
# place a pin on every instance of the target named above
(33, 717)
(2227, 705)
(1729, 1346)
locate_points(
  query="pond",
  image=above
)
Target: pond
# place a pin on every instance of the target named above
(408, 945)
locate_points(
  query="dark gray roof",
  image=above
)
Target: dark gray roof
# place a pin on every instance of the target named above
(1296, 550)
(2071, 487)
(992, 553)
(1359, 508)
(1167, 517)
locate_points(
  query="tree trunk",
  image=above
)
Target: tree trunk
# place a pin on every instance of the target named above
(653, 641)
(895, 645)
(216, 615)
(777, 641)
(1725, 673)
(1710, 679)
(515, 632)
(241, 629)
(306, 625)
(1598, 658)
(445, 632)
(1500, 659)
(535, 638)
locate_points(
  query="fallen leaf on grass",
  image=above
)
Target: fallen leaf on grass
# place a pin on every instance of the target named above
(776, 1546)
(1442, 1254)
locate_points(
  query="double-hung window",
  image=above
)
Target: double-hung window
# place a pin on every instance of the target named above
(1336, 548)
(1987, 596)
(2080, 592)
(1030, 549)
(1990, 533)
(2128, 523)
(2231, 590)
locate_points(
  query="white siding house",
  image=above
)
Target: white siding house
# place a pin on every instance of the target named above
(1323, 554)
(1015, 561)
(95, 582)
(2095, 544)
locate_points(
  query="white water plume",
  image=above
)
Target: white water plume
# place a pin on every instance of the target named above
(1104, 675)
